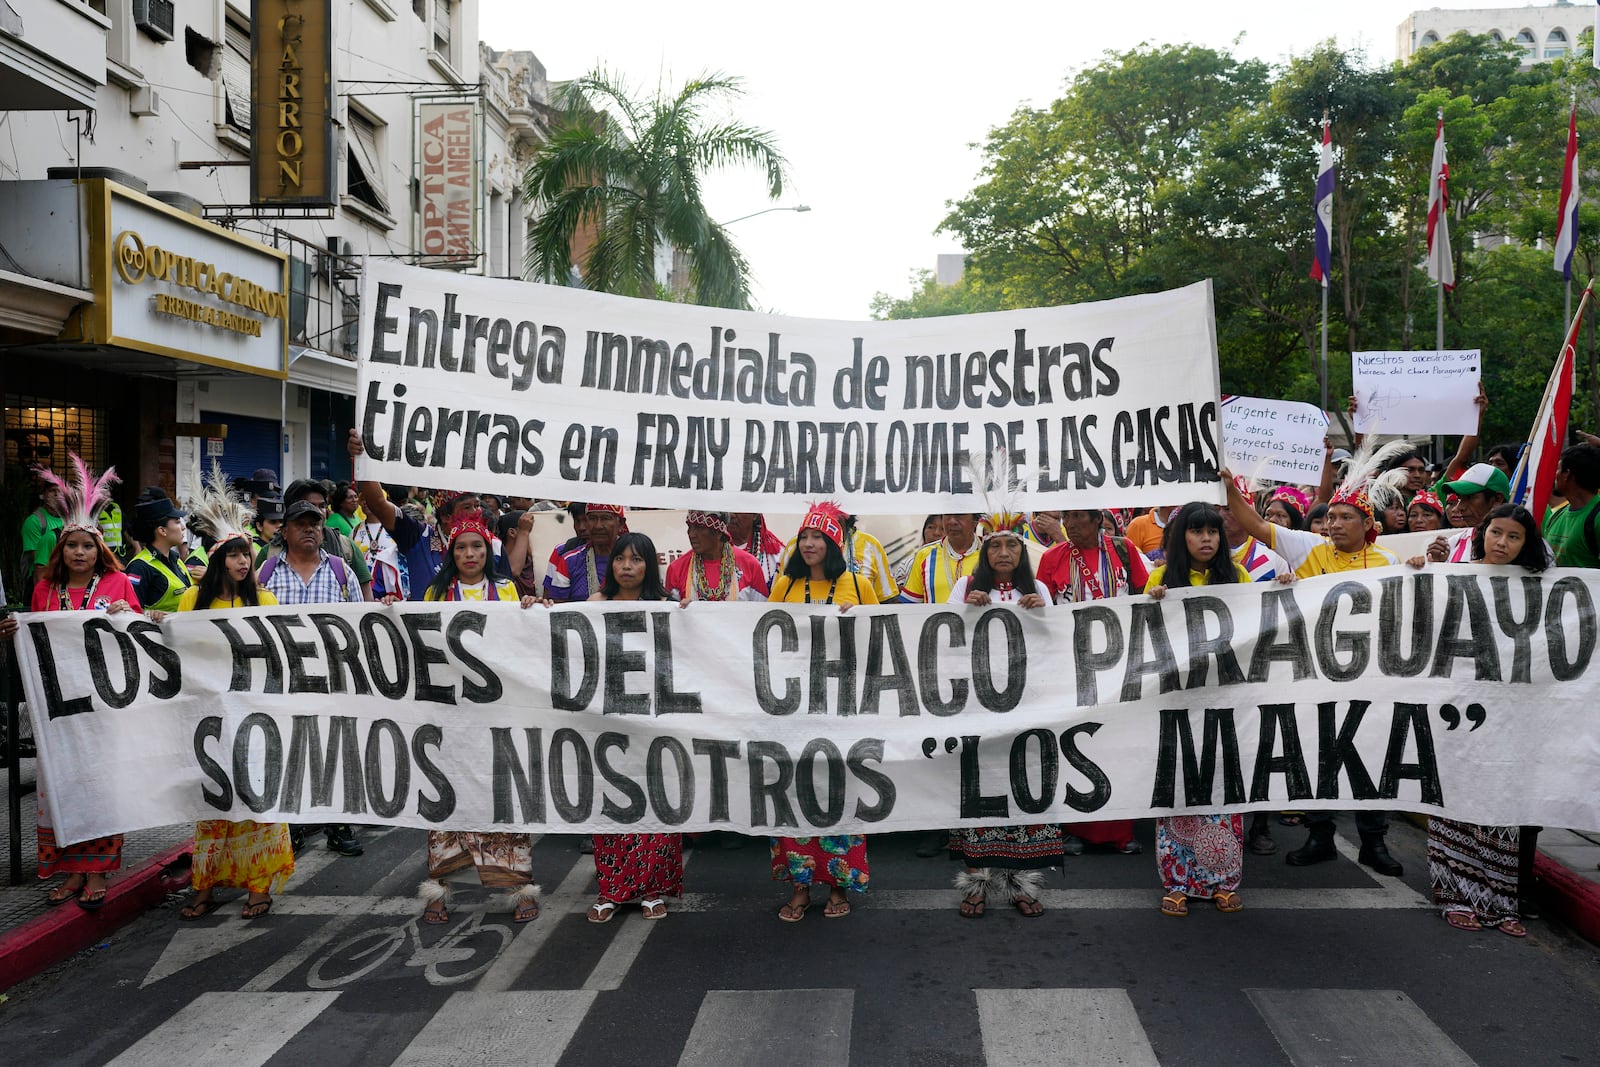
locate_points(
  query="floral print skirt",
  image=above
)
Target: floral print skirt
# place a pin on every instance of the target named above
(1200, 855)
(631, 866)
(836, 861)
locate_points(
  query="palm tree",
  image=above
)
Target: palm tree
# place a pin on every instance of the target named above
(623, 176)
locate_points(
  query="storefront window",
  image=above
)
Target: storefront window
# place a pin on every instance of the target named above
(40, 431)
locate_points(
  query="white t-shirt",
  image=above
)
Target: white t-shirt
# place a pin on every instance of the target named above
(958, 593)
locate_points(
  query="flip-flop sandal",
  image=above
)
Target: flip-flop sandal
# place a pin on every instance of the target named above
(1228, 903)
(256, 910)
(1029, 906)
(1462, 920)
(793, 913)
(189, 914)
(526, 912)
(1174, 904)
(91, 901)
(62, 893)
(436, 916)
(972, 907)
(602, 911)
(654, 908)
(836, 909)
(1512, 928)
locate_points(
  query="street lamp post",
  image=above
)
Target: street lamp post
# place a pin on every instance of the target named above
(763, 211)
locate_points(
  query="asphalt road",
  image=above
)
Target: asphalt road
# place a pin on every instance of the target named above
(1326, 965)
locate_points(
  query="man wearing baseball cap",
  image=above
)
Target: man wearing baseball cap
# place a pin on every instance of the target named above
(1480, 489)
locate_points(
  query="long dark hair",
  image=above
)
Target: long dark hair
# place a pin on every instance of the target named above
(1297, 521)
(55, 569)
(645, 549)
(983, 574)
(213, 585)
(1197, 516)
(833, 564)
(449, 572)
(1532, 555)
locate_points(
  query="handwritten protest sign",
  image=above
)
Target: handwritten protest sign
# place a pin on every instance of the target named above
(1416, 392)
(1459, 690)
(541, 390)
(1273, 440)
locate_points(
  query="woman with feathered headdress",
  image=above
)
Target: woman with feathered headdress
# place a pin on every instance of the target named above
(82, 574)
(1003, 864)
(253, 856)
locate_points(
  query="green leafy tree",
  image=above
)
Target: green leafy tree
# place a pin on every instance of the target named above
(928, 298)
(622, 176)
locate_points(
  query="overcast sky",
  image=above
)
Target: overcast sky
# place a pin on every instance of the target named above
(877, 103)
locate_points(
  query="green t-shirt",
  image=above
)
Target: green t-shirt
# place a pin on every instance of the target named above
(40, 532)
(1565, 530)
(336, 521)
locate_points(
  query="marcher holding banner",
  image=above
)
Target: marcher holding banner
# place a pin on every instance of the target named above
(504, 860)
(643, 867)
(254, 856)
(1474, 869)
(713, 569)
(748, 530)
(1200, 856)
(936, 568)
(577, 574)
(80, 574)
(1351, 529)
(814, 576)
(1004, 861)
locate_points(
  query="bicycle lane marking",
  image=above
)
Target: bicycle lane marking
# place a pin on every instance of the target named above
(528, 941)
(284, 965)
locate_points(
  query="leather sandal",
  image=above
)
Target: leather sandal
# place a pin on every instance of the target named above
(1463, 920)
(1174, 904)
(1228, 902)
(436, 913)
(1512, 928)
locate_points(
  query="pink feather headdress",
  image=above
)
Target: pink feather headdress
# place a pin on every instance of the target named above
(84, 493)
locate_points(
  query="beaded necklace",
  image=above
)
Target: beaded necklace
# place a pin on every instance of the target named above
(88, 593)
(724, 587)
(832, 587)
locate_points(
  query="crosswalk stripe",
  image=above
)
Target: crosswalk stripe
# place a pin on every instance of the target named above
(515, 959)
(189, 946)
(768, 1025)
(530, 1027)
(1062, 1028)
(238, 1029)
(1329, 1027)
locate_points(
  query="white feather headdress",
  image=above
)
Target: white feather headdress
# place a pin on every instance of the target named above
(1003, 489)
(1355, 489)
(218, 511)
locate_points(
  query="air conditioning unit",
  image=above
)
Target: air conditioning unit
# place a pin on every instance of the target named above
(154, 18)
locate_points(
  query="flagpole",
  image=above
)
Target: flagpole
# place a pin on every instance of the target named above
(1325, 347)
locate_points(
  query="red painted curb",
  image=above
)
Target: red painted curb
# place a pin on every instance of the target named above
(1573, 898)
(66, 929)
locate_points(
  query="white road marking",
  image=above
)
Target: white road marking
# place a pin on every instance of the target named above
(1062, 1028)
(308, 946)
(628, 942)
(769, 1025)
(1337, 1027)
(238, 1029)
(1396, 888)
(570, 895)
(191, 945)
(530, 1027)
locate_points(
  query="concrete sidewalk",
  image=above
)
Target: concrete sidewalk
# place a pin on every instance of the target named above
(34, 935)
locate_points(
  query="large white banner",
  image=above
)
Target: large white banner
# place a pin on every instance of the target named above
(1460, 690)
(539, 390)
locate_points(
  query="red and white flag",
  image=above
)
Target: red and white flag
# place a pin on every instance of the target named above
(1567, 209)
(1536, 473)
(1441, 267)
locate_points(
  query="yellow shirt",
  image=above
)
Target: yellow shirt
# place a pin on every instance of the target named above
(846, 589)
(935, 569)
(1159, 576)
(504, 589)
(186, 602)
(1311, 554)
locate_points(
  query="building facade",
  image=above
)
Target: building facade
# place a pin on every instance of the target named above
(1543, 33)
(150, 313)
